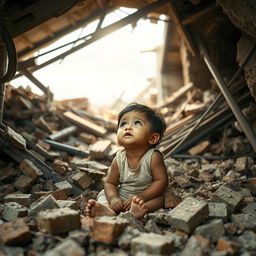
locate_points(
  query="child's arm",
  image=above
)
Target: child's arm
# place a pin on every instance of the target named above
(160, 178)
(111, 188)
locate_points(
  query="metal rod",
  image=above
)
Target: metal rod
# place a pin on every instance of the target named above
(227, 95)
(63, 133)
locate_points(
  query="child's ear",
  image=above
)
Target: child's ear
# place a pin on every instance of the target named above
(155, 137)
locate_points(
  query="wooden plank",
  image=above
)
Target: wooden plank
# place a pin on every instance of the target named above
(85, 124)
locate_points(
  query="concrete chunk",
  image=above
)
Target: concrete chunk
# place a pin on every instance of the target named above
(15, 232)
(29, 169)
(22, 199)
(244, 221)
(42, 204)
(64, 185)
(188, 214)
(57, 221)
(107, 229)
(218, 210)
(23, 183)
(152, 244)
(13, 210)
(82, 179)
(227, 195)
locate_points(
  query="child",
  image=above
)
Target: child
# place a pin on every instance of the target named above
(137, 178)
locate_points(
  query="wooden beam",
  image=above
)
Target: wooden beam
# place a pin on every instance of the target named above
(47, 30)
(27, 42)
(183, 30)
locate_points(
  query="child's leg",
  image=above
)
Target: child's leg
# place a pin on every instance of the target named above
(155, 203)
(94, 208)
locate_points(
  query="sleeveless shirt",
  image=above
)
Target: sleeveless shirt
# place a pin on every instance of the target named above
(131, 181)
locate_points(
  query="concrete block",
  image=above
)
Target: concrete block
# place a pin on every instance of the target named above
(218, 210)
(22, 199)
(107, 229)
(13, 210)
(188, 214)
(227, 195)
(29, 169)
(67, 204)
(64, 185)
(82, 179)
(42, 204)
(15, 232)
(152, 244)
(57, 221)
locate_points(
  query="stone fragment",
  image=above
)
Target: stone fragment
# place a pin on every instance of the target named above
(242, 164)
(67, 204)
(15, 232)
(244, 221)
(227, 195)
(57, 194)
(65, 186)
(107, 229)
(152, 244)
(82, 179)
(188, 214)
(194, 246)
(99, 149)
(57, 221)
(171, 199)
(22, 199)
(42, 204)
(218, 210)
(212, 230)
(15, 138)
(29, 169)
(23, 183)
(247, 239)
(133, 222)
(13, 210)
(124, 241)
(250, 209)
(151, 227)
(60, 166)
(66, 248)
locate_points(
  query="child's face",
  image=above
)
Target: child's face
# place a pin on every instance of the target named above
(134, 130)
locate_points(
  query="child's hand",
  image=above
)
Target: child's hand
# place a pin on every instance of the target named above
(116, 204)
(127, 204)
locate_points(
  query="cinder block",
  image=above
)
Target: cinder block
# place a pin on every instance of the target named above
(188, 214)
(22, 199)
(58, 221)
(15, 232)
(29, 169)
(227, 195)
(152, 244)
(107, 229)
(13, 210)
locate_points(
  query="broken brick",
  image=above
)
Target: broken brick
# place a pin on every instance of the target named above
(22, 199)
(29, 169)
(23, 183)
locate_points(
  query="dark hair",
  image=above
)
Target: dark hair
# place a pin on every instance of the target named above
(155, 118)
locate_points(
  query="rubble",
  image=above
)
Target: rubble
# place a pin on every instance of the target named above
(210, 202)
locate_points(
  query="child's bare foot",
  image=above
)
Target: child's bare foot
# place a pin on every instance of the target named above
(94, 209)
(138, 208)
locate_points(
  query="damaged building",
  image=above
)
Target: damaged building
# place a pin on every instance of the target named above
(54, 155)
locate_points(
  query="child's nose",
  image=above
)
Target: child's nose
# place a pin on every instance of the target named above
(128, 127)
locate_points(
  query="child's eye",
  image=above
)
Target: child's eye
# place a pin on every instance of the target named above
(123, 124)
(137, 123)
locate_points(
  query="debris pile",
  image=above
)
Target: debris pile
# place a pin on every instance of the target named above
(54, 158)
